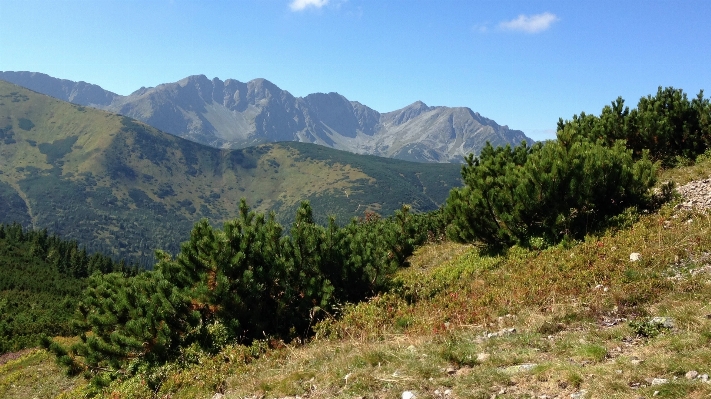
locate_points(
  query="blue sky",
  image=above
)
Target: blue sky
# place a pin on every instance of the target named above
(521, 63)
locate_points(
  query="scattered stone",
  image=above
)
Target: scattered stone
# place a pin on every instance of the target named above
(451, 370)
(696, 194)
(704, 377)
(442, 394)
(482, 357)
(655, 393)
(501, 333)
(635, 256)
(666, 322)
(659, 381)
(636, 361)
(408, 395)
(579, 395)
(690, 375)
(218, 396)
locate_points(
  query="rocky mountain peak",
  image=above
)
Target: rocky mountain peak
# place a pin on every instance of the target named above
(233, 114)
(413, 110)
(262, 89)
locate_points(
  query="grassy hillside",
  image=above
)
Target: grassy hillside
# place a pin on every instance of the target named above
(124, 188)
(617, 311)
(559, 322)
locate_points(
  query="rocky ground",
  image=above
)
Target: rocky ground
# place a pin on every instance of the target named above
(696, 195)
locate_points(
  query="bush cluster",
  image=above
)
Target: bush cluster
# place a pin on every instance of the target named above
(668, 125)
(247, 281)
(540, 195)
(564, 189)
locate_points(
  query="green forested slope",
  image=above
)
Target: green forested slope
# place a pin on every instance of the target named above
(41, 281)
(124, 188)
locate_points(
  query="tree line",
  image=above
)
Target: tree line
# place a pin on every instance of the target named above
(41, 280)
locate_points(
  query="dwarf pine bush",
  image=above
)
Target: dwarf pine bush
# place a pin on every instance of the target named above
(545, 193)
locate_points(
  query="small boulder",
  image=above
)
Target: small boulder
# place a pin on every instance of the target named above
(690, 375)
(666, 322)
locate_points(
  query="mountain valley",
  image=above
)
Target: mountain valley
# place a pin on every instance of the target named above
(124, 188)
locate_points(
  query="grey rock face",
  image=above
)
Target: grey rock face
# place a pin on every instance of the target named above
(81, 93)
(233, 114)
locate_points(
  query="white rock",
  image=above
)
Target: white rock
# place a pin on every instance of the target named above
(408, 395)
(666, 322)
(690, 375)
(659, 381)
(635, 256)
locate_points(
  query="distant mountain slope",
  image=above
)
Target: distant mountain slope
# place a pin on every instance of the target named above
(124, 188)
(81, 93)
(232, 114)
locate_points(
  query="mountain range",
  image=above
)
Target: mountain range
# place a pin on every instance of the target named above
(231, 114)
(122, 187)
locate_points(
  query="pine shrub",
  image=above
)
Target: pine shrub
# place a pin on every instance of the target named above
(533, 196)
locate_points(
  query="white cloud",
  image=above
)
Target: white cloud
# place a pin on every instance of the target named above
(530, 24)
(298, 5)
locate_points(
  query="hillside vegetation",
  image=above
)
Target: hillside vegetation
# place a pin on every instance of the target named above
(42, 278)
(126, 189)
(611, 303)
